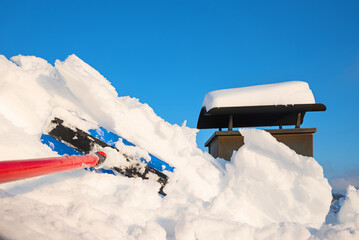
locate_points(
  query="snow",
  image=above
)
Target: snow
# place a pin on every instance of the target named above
(267, 191)
(349, 212)
(285, 93)
(269, 183)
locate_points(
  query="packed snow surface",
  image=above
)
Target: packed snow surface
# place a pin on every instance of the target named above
(285, 93)
(267, 191)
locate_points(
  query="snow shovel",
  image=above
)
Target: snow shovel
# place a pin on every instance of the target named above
(22, 169)
(65, 138)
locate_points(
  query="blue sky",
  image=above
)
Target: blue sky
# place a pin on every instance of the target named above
(169, 54)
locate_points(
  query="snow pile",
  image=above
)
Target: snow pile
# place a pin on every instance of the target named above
(269, 183)
(349, 212)
(285, 93)
(266, 192)
(345, 224)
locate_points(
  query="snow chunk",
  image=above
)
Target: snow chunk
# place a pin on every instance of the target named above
(269, 183)
(285, 93)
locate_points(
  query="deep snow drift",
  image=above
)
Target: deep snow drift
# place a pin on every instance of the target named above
(267, 191)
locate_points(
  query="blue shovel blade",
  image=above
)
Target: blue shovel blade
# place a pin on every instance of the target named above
(111, 139)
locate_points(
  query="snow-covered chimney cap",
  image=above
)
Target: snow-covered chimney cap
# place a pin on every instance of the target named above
(285, 93)
(263, 105)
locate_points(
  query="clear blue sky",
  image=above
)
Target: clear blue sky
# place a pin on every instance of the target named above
(169, 54)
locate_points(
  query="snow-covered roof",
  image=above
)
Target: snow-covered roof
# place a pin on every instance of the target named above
(285, 93)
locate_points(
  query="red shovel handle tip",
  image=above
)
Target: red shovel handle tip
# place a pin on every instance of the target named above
(102, 153)
(101, 157)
